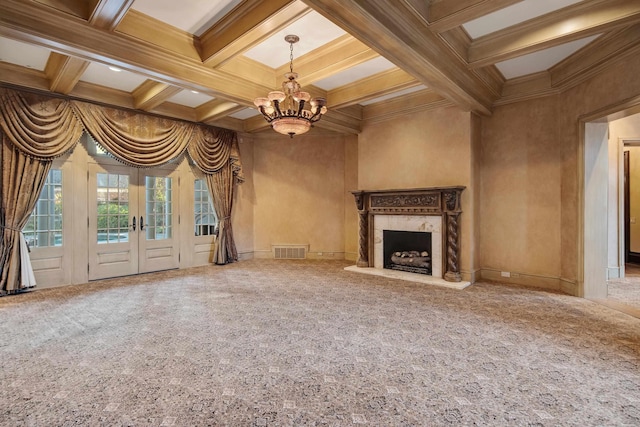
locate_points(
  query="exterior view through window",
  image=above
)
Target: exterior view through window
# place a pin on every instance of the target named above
(205, 216)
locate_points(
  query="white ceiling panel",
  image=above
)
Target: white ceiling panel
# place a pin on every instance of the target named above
(314, 31)
(190, 98)
(193, 16)
(355, 73)
(23, 54)
(513, 15)
(542, 60)
(101, 74)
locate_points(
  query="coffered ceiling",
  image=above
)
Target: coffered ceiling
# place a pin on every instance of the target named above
(206, 60)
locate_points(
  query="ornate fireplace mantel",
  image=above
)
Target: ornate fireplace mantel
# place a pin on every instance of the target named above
(438, 201)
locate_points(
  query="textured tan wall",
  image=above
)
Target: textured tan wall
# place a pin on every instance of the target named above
(299, 190)
(427, 149)
(350, 183)
(529, 202)
(526, 159)
(244, 200)
(520, 196)
(607, 89)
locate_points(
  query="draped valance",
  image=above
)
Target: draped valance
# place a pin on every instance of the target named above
(44, 127)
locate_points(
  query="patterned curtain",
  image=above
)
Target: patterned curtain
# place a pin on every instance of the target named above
(37, 128)
(221, 187)
(22, 181)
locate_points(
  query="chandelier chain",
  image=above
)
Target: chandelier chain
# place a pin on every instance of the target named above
(291, 57)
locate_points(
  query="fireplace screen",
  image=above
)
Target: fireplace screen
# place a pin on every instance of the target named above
(407, 251)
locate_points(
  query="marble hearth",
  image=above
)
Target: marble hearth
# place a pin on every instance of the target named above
(435, 210)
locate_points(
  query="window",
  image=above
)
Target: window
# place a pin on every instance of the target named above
(44, 227)
(205, 216)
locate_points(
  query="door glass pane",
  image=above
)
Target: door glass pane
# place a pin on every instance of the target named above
(113, 208)
(158, 220)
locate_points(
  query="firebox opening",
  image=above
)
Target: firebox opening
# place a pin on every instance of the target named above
(407, 251)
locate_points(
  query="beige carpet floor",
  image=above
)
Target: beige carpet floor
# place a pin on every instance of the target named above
(305, 343)
(626, 290)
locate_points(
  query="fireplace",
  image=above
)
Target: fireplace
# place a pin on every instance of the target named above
(408, 251)
(424, 210)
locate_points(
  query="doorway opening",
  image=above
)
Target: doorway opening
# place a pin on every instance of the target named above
(604, 244)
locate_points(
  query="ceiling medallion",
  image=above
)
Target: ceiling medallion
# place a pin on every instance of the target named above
(285, 110)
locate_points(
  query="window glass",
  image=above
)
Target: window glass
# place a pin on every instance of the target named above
(159, 215)
(44, 227)
(205, 216)
(113, 208)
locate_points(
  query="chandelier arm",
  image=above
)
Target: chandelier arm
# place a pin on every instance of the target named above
(300, 107)
(264, 113)
(276, 107)
(316, 116)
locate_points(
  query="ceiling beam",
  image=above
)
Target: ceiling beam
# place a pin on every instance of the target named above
(216, 109)
(64, 72)
(79, 8)
(444, 15)
(108, 13)
(394, 31)
(139, 26)
(339, 55)
(17, 75)
(150, 94)
(371, 87)
(571, 23)
(247, 25)
(33, 23)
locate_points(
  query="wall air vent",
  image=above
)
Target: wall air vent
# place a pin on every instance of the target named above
(290, 251)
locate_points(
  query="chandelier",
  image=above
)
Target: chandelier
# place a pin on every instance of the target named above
(285, 110)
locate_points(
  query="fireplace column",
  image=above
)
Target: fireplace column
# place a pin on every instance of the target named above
(363, 241)
(450, 217)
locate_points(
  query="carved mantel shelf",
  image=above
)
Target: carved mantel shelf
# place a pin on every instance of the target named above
(439, 201)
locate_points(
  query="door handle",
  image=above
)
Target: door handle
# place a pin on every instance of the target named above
(133, 225)
(141, 223)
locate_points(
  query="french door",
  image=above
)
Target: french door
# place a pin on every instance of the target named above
(133, 220)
